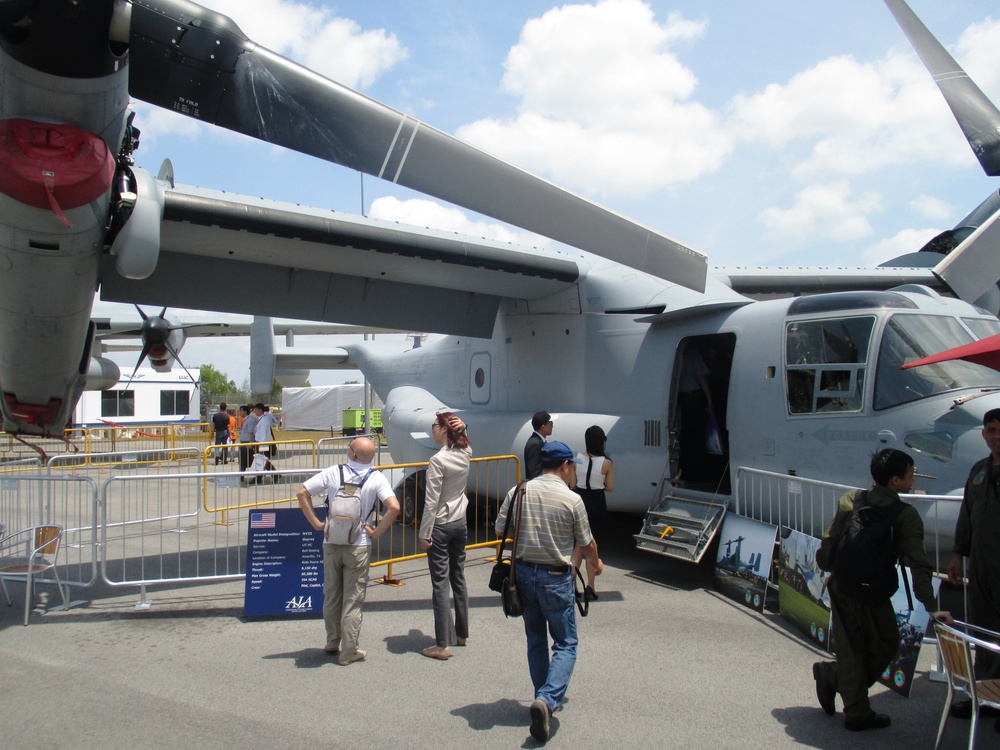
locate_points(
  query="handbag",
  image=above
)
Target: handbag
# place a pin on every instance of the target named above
(713, 436)
(259, 462)
(503, 576)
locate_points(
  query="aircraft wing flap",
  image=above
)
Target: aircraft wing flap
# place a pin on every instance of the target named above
(244, 229)
(262, 289)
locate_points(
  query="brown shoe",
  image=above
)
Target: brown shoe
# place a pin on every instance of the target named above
(359, 655)
(437, 652)
(462, 641)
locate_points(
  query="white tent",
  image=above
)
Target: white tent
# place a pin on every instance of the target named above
(321, 407)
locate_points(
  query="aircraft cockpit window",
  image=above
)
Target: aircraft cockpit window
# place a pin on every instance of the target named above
(825, 363)
(910, 337)
(983, 328)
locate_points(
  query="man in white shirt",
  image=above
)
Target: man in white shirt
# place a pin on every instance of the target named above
(345, 566)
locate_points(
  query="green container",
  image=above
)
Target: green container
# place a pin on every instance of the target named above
(354, 421)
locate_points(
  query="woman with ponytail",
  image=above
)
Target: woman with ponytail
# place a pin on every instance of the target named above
(443, 532)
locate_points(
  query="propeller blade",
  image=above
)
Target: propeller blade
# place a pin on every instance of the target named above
(177, 358)
(976, 114)
(197, 62)
(138, 364)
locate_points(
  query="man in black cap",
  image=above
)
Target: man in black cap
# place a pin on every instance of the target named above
(553, 523)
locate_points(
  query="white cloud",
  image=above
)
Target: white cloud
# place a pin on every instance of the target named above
(978, 51)
(427, 213)
(929, 207)
(828, 210)
(854, 118)
(604, 102)
(906, 241)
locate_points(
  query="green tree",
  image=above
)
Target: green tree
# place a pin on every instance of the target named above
(214, 385)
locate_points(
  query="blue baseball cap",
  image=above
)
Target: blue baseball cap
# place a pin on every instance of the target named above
(555, 453)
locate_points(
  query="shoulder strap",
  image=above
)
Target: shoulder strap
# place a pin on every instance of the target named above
(518, 492)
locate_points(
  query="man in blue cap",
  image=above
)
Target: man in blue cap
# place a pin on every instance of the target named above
(553, 523)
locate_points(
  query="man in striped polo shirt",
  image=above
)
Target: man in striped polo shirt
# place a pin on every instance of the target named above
(553, 523)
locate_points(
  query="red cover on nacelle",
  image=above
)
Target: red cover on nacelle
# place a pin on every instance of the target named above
(53, 165)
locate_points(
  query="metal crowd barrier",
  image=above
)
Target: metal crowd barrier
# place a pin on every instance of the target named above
(162, 529)
(173, 528)
(71, 502)
(122, 461)
(21, 465)
(285, 454)
(121, 438)
(808, 505)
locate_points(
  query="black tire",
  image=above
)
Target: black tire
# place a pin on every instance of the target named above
(411, 501)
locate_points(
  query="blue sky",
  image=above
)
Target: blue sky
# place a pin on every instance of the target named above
(773, 133)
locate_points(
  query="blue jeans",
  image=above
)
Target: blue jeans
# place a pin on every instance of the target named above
(548, 601)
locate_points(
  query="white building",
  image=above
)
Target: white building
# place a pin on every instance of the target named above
(151, 398)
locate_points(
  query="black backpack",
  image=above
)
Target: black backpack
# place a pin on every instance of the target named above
(865, 563)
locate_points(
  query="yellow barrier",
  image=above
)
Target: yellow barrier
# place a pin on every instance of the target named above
(291, 455)
(490, 478)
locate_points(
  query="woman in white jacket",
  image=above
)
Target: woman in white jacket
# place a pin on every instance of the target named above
(443, 532)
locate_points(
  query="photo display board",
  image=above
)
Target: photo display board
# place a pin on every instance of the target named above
(912, 626)
(743, 565)
(802, 596)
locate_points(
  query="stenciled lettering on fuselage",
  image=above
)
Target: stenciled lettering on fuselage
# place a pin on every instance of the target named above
(827, 436)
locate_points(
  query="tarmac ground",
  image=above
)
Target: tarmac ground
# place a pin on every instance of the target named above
(664, 661)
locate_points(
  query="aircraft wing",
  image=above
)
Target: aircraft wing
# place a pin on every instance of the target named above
(285, 260)
(121, 329)
(752, 280)
(199, 63)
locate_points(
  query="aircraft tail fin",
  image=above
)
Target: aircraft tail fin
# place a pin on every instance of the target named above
(261, 354)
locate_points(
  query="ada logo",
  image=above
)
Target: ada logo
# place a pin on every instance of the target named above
(299, 604)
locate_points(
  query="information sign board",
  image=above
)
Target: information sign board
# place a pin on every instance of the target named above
(284, 564)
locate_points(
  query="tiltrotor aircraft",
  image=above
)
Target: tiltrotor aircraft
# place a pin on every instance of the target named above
(806, 384)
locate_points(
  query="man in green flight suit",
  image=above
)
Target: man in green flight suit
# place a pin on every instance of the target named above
(866, 637)
(977, 537)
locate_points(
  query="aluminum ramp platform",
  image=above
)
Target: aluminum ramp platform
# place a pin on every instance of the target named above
(680, 527)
